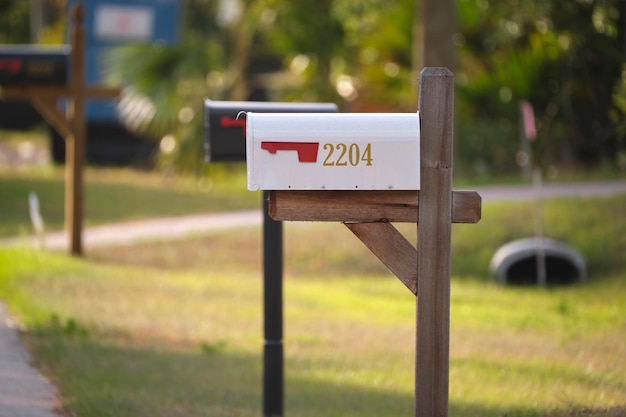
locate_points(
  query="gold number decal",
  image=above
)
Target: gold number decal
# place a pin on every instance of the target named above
(342, 148)
(367, 155)
(355, 154)
(345, 154)
(331, 149)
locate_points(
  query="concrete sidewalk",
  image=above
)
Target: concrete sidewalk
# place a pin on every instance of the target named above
(126, 233)
(23, 391)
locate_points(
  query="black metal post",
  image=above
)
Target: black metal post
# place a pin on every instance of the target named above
(273, 313)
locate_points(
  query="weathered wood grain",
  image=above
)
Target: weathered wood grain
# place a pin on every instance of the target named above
(436, 106)
(365, 206)
(391, 247)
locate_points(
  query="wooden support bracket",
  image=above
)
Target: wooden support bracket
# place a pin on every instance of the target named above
(392, 248)
(47, 107)
(369, 214)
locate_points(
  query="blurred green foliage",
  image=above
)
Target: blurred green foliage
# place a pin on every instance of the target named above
(14, 21)
(567, 59)
(347, 52)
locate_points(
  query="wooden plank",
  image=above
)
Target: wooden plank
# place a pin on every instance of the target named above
(99, 92)
(28, 91)
(392, 248)
(47, 107)
(436, 106)
(466, 207)
(364, 206)
(54, 91)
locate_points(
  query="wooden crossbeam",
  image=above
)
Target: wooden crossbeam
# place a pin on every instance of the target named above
(365, 206)
(26, 91)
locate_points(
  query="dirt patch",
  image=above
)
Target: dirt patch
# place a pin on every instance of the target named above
(23, 152)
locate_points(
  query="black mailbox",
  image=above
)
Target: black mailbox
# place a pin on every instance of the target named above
(225, 133)
(33, 65)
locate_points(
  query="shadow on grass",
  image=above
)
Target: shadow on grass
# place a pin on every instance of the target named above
(307, 253)
(121, 377)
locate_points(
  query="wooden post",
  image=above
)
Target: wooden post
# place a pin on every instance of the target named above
(438, 24)
(436, 106)
(75, 142)
(72, 125)
(369, 214)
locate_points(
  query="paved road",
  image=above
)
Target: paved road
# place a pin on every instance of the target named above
(25, 393)
(160, 228)
(550, 190)
(166, 228)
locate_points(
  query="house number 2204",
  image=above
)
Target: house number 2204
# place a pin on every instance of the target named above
(342, 154)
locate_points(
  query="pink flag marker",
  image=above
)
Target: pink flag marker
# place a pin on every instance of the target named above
(528, 118)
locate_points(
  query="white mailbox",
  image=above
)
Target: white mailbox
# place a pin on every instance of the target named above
(333, 151)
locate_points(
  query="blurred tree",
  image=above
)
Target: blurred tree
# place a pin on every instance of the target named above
(32, 21)
(348, 52)
(438, 25)
(591, 70)
(168, 85)
(48, 21)
(14, 21)
(310, 37)
(565, 58)
(382, 58)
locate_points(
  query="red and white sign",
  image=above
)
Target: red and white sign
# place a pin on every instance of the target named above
(333, 151)
(120, 22)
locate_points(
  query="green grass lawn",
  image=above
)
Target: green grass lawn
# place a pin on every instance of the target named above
(175, 328)
(112, 195)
